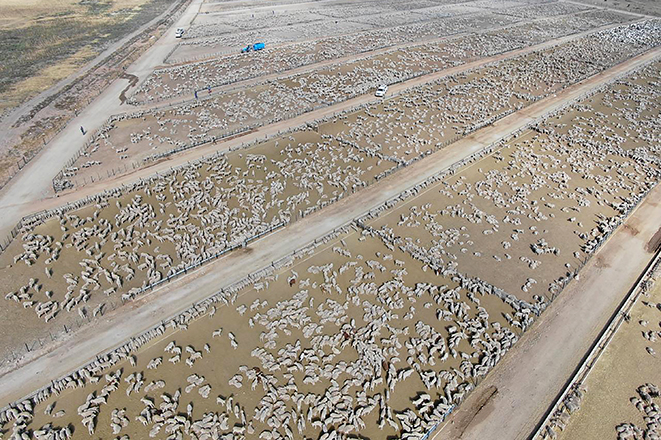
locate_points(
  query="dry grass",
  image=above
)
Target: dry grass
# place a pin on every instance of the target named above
(623, 367)
(44, 42)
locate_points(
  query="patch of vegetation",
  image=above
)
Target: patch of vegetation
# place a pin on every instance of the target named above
(27, 51)
(96, 6)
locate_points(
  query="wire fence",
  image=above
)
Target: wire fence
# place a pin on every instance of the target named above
(224, 82)
(532, 125)
(435, 427)
(228, 295)
(546, 429)
(213, 57)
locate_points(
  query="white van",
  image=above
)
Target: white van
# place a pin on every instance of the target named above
(381, 91)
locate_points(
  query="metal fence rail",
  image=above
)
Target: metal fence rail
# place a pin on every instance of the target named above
(545, 429)
(228, 295)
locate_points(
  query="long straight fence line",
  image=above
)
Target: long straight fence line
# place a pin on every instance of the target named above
(228, 295)
(545, 429)
(46, 139)
(521, 21)
(60, 183)
(242, 243)
(110, 304)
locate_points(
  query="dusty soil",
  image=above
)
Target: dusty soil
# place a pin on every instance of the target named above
(609, 396)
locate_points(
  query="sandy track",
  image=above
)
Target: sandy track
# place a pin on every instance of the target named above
(34, 182)
(32, 190)
(528, 379)
(142, 314)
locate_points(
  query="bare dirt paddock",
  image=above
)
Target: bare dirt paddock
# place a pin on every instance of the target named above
(325, 342)
(77, 263)
(147, 135)
(621, 395)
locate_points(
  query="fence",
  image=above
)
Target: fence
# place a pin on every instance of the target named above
(545, 428)
(228, 295)
(213, 57)
(241, 244)
(60, 182)
(433, 428)
(362, 49)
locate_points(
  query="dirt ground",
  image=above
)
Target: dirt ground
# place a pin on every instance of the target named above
(647, 7)
(613, 396)
(283, 326)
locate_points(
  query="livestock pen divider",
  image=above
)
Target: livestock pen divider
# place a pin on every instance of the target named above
(583, 371)
(221, 296)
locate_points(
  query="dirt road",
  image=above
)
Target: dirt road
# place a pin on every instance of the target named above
(34, 182)
(160, 304)
(535, 371)
(32, 191)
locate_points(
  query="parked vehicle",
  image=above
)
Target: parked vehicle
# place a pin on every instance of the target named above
(251, 47)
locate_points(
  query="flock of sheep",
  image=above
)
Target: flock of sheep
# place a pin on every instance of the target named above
(171, 222)
(418, 19)
(383, 331)
(146, 134)
(386, 326)
(174, 81)
(536, 209)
